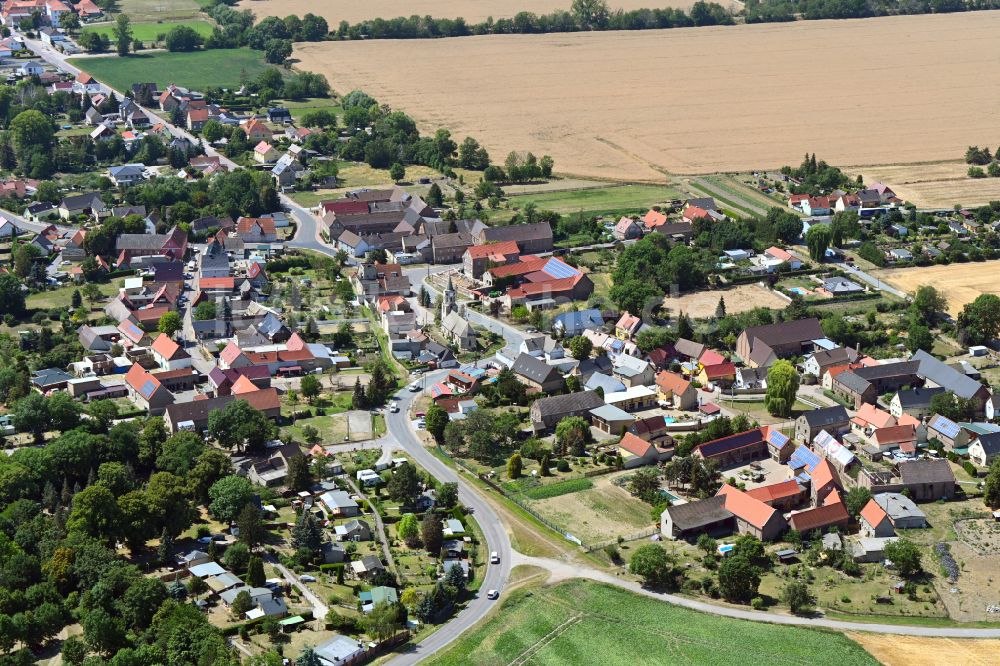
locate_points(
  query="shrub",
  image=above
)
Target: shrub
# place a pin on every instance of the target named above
(757, 603)
(562, 466)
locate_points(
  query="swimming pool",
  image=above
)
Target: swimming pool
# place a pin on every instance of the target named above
(725, 549)
(669, 419)
(799, 290)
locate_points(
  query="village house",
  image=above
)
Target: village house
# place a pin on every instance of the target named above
(146, 391)
(761, 346)
(675, 391)
(530, 238)
(984, 449)
(832, 419)
(745, 447)
(753, 517)
(168, 354)
(875, 522)
(627, 229)
(636, 452)
(916, 402)
(546, 412)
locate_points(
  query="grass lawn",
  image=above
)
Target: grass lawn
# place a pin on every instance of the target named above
(150, 32)
(612, 198)
(580, 622)
(62, 297)
(197, 70)
(353, 175)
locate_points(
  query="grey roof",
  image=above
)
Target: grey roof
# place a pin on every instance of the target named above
(338, 649)
(338, 499)
(898, 506)
(460, 239)
(918, 397)
(851, 381)
(821, 418)
(533, 369)
(127, 170)
(82, 200)
(700, 513)
(579, 319)
(926, 471)
(689, 348)
(990, 443)
(141, 241)
(608, 384)
(943, 375)
(580, 401)
(786, 332)
(611, 413)
(835, 356)
(517, 232)
(49, 376)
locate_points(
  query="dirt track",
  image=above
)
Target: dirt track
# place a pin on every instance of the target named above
(632, 105)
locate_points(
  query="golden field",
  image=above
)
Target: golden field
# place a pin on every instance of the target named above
(633, 105)
(894, 650)
(473, 11)
(934, 184)
(960, 283)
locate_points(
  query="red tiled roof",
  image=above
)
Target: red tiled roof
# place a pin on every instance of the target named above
(483, 251)
(898, 434)
(654, 219)
(166, 347)
(246, 224)
(230, 353)
(671, 382)
(775, 491)
(819, 517)
(720, 370)
(243, 385)
(873, 514)
(711, 357)
(822, 475)
(216, 283)
(635, 445)
(745, 507)
(260, 358)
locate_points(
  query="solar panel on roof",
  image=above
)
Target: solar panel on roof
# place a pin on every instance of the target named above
(803, 457)
(148, 388)
(946, 427)
(559, 269)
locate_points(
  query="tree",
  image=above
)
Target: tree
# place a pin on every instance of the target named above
(545, 464)
(31, 130)
(707, 544)
(300, 477)
(919, 337)
(856, 499)
(590, 14)
(383, 621)
(251, 526)
(927, 303)
(645, 484)
(122, 32)
(796, 594)
(397, 172)
(277, 51)
(979, 321)
(170, 323)
(73, 651)
(447, 495)
(905, 556)
(572, 433)
(952, 407)
(720, 309)
(738, 580)
(236, 557)
(95, 513)
(11, 295)
(238, 425)
(228, 497)
(310, 387)
(408, 530)
(308, 658)
(437, 420)
(431, 533)
(782, 386)
(307, 533)
(241, 604)
(818, 240)
(255, 572)
(580, 347)
(514, 466)
(654, 565)
(204, 311)
(991, 486)
(404, 486)
(182, 38)
(103, 632)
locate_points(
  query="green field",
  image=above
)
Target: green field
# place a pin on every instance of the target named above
(612, 198)
(581, 622)
(196, 70)
(149, 32)
(559, 488)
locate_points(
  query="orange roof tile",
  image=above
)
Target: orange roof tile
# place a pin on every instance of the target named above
(823, 475)
(671, 382)
(775, 491)
(483, 251)
(243, 385)
(873, 514)
(165, 346)
(634, 445)
(745, 507)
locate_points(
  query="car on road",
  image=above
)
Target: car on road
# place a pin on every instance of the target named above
(414, 387)
(394, 407)
(494, 557)
(492, 595)
(306, 578)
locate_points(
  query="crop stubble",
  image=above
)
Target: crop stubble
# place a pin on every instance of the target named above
(632, 105)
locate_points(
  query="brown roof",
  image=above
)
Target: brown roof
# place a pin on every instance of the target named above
(799, 330)
(775, 491)
(926, 471)
(819, 517)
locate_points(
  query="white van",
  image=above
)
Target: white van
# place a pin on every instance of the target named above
(494, 558)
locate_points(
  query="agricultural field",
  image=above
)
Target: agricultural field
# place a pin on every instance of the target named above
(960, 283)
(908, 650)
(197, 70)
(150, 32)
(571, 87)
(335, 11)
(702, 304)
(583, 622)
(159, 10)
(933, 184)
(599, 199)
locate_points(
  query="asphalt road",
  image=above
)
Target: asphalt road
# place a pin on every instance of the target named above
(400, 427)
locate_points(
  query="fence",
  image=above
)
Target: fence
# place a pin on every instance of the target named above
(642, 534)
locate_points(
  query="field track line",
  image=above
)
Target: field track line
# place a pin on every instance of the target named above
(532, 650)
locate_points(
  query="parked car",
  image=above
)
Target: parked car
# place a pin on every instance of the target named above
(306, 578)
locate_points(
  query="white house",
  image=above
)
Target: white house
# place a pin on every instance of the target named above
(985, 449)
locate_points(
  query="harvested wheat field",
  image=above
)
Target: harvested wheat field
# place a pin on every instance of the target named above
(960, 283)
(910, 650)
(934, 184)
(631, 105)
(702, 304)
(473, 11)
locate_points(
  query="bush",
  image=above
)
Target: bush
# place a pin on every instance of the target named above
(970, 468)
(757, 603)
(562, 465)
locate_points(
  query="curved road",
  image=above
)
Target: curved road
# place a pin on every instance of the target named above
(400, 427)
